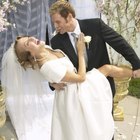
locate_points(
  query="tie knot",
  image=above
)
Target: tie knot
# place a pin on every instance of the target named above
(74, 35)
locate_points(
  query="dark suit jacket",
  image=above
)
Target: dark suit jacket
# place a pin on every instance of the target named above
(97, 52)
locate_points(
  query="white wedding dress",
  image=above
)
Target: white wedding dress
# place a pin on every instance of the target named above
(32, 117)
(82, 111)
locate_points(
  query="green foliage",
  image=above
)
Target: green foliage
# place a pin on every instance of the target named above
(134, 87)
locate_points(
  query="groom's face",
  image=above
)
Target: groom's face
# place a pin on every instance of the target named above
(62, 24)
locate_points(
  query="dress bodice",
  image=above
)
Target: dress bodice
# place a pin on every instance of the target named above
(55, 70)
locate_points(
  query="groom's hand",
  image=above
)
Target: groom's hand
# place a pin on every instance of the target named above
(58, 86)
(136, 73)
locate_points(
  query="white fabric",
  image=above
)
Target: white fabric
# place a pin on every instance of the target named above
(29, 100)
(82, 111)
(53, 68)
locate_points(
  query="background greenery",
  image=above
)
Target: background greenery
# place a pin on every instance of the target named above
(134, 87)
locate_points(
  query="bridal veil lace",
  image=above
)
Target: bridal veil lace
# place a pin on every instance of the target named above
(28, 99)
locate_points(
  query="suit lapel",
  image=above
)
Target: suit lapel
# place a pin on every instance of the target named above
(84, 30)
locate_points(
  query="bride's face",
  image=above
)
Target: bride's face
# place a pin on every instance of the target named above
(27, 47)
(29, 44)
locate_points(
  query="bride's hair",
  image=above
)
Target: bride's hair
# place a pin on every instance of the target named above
(24, 57)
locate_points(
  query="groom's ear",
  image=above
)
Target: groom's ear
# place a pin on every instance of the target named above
(69, 17)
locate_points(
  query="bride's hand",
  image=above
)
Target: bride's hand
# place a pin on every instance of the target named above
(136, 73)
(58, 86)
(80, 44)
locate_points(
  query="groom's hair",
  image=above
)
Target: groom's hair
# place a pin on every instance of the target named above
(63, 8)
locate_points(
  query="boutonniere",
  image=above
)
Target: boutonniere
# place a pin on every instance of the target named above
(87, 40)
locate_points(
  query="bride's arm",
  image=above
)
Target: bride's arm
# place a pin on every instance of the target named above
(116, 72)
(81, 74)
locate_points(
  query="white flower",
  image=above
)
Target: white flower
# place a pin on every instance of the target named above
(87, 40)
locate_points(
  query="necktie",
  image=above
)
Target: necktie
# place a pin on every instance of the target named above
(75, 41)
(75, 38)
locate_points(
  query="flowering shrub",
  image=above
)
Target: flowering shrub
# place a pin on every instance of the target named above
(5, 7)
(123, 16)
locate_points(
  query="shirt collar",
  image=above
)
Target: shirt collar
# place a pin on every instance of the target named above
(77, 29)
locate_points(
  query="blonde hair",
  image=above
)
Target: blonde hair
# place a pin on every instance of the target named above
(63, 8)
(24, 57)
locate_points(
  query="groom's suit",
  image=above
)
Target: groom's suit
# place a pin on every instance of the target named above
(97, 52)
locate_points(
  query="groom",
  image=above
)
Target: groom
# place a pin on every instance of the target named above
(63, 17)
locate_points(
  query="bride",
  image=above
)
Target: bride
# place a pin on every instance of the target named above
(82, 110)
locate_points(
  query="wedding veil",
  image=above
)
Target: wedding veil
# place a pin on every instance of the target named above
(27, 98)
